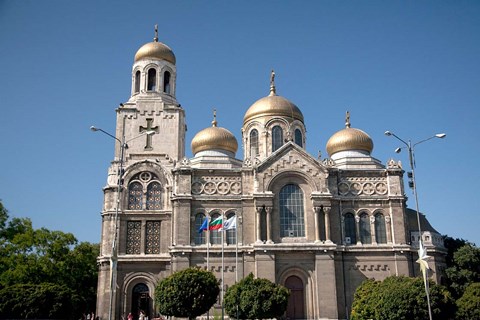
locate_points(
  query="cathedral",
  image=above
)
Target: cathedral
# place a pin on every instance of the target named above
(317, 226)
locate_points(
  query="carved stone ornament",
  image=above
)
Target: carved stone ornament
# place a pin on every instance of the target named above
(216, 185)
(185, 162)
(327, 162)
(247, 162)
(362, 186)
(392, 164)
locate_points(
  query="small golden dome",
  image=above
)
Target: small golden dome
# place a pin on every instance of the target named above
(155, 50)
(214, 138)
(349, 139)
(273, 105)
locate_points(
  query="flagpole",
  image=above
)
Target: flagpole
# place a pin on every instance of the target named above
(208, 252)
(236, 251)
(223, 283)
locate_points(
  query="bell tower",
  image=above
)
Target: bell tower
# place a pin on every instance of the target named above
(153, 107)
(136, 213)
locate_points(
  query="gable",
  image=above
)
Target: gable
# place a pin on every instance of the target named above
(291, 160)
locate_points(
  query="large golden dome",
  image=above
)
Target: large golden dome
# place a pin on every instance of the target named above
(349, 139)
(155, 50)
(214, 138)
(273, 105)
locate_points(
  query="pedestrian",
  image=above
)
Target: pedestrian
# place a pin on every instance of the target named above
(130, 316)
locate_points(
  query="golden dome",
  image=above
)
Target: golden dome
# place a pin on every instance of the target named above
(155, 50)
(214, 138)
(273, 105)
(349, 139)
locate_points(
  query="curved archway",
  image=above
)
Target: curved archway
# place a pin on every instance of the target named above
(140, 300)
(296, 301)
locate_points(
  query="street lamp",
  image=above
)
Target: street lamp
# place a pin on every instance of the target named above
(114, 254)
(422, 252)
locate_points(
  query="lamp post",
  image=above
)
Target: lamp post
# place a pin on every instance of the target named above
(422, 252)
(114, 253)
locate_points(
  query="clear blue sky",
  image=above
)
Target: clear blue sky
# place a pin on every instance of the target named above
(412, 67)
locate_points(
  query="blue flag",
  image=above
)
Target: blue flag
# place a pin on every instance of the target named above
(204, 226)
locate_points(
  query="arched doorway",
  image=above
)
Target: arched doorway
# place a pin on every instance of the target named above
(296, 302)
(140, 300)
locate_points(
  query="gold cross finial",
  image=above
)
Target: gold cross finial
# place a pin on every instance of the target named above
(273, 90)
(156, 33)
(214, 122)
(347, 119)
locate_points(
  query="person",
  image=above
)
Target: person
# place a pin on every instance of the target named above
(130, 316)
(141, 316)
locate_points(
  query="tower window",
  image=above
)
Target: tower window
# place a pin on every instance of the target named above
(365, 234)
(154, 193)
(134, 230)
(152, 80)
(215, 236)
(298, 137)
(199, 236)
(231, 234)
(144, 192)
(350, 235)
(137, 82)
(135, 196)
(292, 221)
(166, 82)
(277, 138)
(380, 229)
(152, 237)
(254, 143)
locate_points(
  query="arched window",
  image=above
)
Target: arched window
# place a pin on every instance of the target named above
(231, 234)
(292, 221)
(350, 235)
(365, 234)
(137, 82)
(215, 235)
(199, 236)
(380, 229)
(154, 196)
(144, 192)
(254, 143)
(298, 137)
(135, 196)
(166, 82)
(152, 80)
(277, 138)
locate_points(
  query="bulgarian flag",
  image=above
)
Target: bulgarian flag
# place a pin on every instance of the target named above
(216, 224)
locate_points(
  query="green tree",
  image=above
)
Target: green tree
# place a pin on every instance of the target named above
(256, 299)
(464, 270)
(469, 304)
(29, 301)
(37, 264)
(187, 293)
(400, 298)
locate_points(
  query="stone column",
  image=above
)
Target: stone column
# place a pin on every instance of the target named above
(265, 144)
(269, 224)
(357, 229)
(372, 230)
(258, 230)
(316, 212)
(326, 211)
(388, 227)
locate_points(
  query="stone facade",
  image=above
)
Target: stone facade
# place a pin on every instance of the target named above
(318, 226)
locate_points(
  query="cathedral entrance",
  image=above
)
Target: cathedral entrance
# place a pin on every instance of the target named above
(295, 309)
(140, 300)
